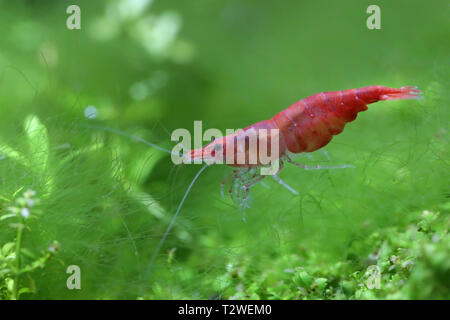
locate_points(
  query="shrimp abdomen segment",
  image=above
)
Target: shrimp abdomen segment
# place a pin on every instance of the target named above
(310, 124)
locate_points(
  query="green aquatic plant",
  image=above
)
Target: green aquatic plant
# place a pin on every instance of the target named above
(411, 262)
(16, 261)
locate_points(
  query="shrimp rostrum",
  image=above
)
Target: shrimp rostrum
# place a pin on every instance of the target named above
(305, 126)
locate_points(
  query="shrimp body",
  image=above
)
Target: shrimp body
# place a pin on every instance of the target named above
(306, 125)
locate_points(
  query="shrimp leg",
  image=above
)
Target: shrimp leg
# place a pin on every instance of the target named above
(318, 167)
(284, 184)
(237, 175)
(246, 187)
(224, 182)
(281, 182)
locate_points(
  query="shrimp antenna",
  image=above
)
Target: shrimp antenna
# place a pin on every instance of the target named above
(172, 222)
(122, 133)
(174, 218)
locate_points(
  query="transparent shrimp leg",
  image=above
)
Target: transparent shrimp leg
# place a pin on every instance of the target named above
(281, 182)
(284, 184)
(254, 179)
(326, 154)
(233, 192)
(224, 182)
(242, 180)
(240, 186)
(317, 166)
(242, 189)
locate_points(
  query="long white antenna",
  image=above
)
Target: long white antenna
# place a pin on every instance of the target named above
(172, 222)
(131, 137)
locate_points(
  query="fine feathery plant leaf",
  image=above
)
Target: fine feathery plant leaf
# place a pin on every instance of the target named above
(38, 142)
(7, 216)
(7, 248)
(6, 152)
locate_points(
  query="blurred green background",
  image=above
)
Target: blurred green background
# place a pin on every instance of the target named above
(150, 67)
